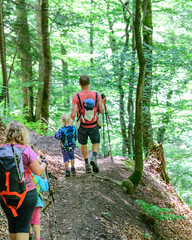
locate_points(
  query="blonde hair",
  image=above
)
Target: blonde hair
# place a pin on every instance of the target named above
(17, 132)
(65, 119)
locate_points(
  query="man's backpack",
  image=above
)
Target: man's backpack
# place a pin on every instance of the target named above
(88, 111)
(68, 137)
(12, 179)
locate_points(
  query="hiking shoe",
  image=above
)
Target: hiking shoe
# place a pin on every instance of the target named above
(73, 170)
(94, 164)
(88, 168)
(67, 173)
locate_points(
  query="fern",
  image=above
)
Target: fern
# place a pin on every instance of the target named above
(160, 214)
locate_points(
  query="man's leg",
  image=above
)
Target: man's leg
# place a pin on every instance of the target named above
(82, 138)
(95, 147)
(95, 140)
(84, 152)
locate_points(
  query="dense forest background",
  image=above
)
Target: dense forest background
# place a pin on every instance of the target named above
(46, 46)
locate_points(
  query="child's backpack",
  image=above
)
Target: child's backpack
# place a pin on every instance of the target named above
(12, 179)
(88, 111)
(68, 137)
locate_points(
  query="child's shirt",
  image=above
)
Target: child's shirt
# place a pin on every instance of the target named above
(67, 136)
(42, 185)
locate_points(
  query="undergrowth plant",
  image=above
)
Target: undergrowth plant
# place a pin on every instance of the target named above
(158, 213)
(38, 126)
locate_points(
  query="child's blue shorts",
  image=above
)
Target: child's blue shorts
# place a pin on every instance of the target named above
(68, 155)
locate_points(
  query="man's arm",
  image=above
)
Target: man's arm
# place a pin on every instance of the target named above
(73, 112)
(102, 105)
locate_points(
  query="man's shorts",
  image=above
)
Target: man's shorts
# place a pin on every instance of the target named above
(92, 133)
(68, 155)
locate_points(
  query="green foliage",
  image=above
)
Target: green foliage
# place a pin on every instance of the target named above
(160, 214)
(178, 162)
(129, 164)
(146, 235)
(38, 126)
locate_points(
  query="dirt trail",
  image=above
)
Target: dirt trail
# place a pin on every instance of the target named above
(87, 207)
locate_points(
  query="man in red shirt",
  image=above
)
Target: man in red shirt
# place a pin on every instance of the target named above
(88, 103)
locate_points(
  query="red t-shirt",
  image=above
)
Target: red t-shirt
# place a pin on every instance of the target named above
(83, 96)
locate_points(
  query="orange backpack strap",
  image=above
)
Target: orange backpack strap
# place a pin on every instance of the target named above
(29, 170)
(12, 208)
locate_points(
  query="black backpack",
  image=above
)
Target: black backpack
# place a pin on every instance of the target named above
(12, 179)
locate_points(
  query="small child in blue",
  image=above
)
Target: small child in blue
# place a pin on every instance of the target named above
(67, 136)
(42, 185)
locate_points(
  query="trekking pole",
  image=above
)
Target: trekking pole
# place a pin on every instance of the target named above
(51, 202)
(107, 118)
(103, 118)
(109, 140)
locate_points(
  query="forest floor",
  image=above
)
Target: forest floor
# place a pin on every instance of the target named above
(88, 207)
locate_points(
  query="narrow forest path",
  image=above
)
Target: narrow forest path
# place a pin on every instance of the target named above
(87, 207)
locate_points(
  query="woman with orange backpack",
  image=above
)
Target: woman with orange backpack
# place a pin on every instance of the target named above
(17, 211)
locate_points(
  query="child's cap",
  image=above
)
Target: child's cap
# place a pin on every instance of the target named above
(89, 104)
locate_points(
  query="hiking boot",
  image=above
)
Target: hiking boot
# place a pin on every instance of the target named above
(73, 170)
(67, 173)
(88, 168)
(94, 164)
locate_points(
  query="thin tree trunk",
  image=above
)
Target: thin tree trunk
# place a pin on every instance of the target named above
(47, 60)
(4, 93)
(119, 74)
(132, 182)
(26, 60)
(148, 44)
(121, 91)
(41, 64)
(130, 105)
(91, 36)
(136, 176)
(65, 76)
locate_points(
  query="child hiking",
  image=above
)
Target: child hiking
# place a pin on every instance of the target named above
(88, 104)
(42, 185)
(19, 214)
(67, 136)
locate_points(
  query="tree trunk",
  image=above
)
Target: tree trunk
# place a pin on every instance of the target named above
(91, 37)
(41, 64)
(119, 74)
(26, 59)
(47, 60)
(121, 91)
(65, 76)
(130, 105)
(148, 44)
(132, 182)
(4, 94)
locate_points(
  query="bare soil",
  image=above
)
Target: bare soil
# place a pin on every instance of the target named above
(89, 207)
